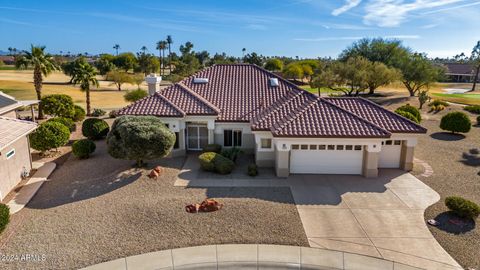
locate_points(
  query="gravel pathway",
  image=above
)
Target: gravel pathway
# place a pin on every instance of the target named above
(100, 209)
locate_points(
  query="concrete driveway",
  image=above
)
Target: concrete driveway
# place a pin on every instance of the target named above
(381, 217)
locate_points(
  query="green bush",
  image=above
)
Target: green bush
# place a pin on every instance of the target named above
(83, 148)
(94, 128)
(213, 148)
(135, 95)
(437, 102)
(231, 153)
(462, 207)
(478, 120)
(49, 135)
(98, 112)
(58, 105)
(78, 113)
(472, 108)
(408, 116)
(412, 110)
(139, 138)
(4, 216)
(214, 162)
(252, 170)
(68, 122)
(113, 114)
(456, 122)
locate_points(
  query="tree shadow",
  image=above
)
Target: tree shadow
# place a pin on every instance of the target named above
(471, 158)
(449, 222)
(446, 136)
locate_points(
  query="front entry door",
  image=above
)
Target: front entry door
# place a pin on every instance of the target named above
(197, 137)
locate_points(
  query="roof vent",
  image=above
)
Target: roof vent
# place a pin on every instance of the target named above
(274, 82)
(200, 80)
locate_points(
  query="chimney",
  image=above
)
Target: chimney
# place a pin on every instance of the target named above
(153, 82)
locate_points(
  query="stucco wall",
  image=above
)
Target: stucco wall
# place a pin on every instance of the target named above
(10, 114)
(248, 139)
(11, 169)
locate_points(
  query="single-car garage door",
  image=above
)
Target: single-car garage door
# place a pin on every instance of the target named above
(390, 155)
(326, 159)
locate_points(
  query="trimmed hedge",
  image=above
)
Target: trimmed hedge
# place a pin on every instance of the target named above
(78, 113)
(462, 207)
(83, 148)
(214, 162)
(68, 122)
(472, 108)
(49, 135)
(217, 148)
(413, 110)
(95, 129)
(4, 216)
(252, 170)
(456, 122)
(98, 112)
(408, 116)
(58, 105)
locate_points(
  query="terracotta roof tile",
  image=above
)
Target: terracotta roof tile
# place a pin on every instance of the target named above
(156, 105)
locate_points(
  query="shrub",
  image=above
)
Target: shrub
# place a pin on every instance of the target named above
(4, 216)
(139, 138)
(94, 128)
(49, 135)
(462, 207)
(472, 108)
(478, 120)
(68, 122)
(437, 102)
(231, 153)
(412, 110)
(456, 122)
(438, 108)
(213, 148)
(113, 114)
(98, 112)
(408, 116)
(58, 105)
(252, 170)
(78, 113)
(83, 148)
(214, 162)
(135, 95)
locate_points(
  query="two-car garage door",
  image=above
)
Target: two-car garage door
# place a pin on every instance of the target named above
(326, 159)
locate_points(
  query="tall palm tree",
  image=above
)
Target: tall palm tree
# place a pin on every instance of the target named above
(243, 52)
(116, 47)
(85, 75)
(161, 46)
(169, 42)
(43, 64)
(144, 49)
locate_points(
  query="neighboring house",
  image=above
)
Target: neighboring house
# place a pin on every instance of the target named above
(7, 59)
(460, 72)
(286, 127)
(15, 158)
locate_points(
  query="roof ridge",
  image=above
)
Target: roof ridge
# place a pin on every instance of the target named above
(293, 114)
(170, 103)
(199, 97)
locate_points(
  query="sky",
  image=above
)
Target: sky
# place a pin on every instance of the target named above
(303, 28)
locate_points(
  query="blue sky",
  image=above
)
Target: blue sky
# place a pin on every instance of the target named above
(304, 28)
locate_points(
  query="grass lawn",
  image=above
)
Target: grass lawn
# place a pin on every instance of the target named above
(324, 91)
(468, 99)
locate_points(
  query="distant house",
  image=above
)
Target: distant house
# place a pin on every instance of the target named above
(15, 158)
(7, 59)
(460, 72)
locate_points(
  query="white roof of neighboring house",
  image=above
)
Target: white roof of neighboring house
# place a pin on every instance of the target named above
(13, 129)
(9, 103)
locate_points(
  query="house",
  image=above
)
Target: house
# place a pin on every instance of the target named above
(286, 127)
(15, 158)
(460, 72)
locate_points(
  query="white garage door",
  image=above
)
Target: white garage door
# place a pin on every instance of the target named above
(390, 155)
(326, 159)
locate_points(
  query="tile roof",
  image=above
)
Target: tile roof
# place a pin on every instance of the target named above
(459, 69)
(378, 115)
(8, 103)
(242, 93)
(13, 129)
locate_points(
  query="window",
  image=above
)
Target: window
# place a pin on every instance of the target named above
(349, 147)
(331, 147)
(232, 137)
(339, 147)
(388, 142)
(10, 153)
(295, 146)
(313, 147)
(304, 147)
(322, 147)
(397, 142)
(266, 143)
(177, 144)
(358, 147)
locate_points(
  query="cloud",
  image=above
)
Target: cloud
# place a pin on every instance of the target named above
(452, 8)
(257, 27)
(355, 38)
(349, 4)
(391, 13)
(345, 27)
(429, 26)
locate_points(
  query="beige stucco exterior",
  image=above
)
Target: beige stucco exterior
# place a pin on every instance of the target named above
(11, 168)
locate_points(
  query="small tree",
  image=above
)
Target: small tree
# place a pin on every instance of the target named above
(95, 129)
(139, 138)
(379, 75)
(418, 73)
(274, 64)
(135, 95)
(119, 78)
(475, 60)
(293, 71)
(409, 108)
(138, 79)
(125, 61)
(49, 135)
(423, 97)
(456, 122)
(59, 105)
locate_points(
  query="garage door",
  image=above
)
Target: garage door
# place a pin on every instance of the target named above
(390, 155)
(326, 159)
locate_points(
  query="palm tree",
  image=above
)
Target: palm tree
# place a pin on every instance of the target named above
(85, 75)
(116, 47)
(169, 42)
(144, 49)
(243, 52)
(43, 64)
(161, 46)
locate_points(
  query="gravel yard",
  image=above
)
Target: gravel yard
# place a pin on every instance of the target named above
(100, 209)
